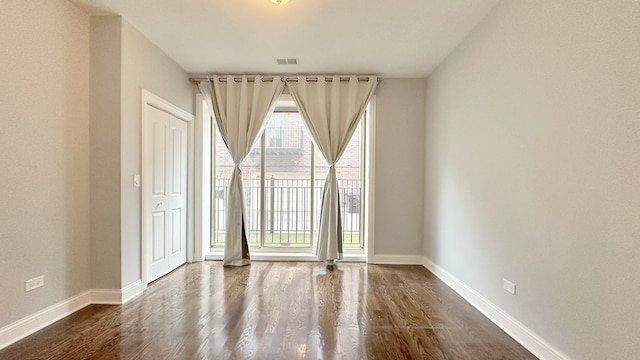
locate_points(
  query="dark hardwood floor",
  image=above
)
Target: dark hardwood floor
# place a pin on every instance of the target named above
(281, 310)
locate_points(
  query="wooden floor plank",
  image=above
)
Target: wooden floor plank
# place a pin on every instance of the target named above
(279, 310)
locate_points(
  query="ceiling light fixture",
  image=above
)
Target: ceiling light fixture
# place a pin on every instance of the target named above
(280, 2)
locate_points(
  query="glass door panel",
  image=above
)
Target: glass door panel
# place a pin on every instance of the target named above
(288, 191)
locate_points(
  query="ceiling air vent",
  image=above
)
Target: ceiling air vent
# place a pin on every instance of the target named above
(283, 61)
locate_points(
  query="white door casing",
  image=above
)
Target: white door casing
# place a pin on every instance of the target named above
(165, 142)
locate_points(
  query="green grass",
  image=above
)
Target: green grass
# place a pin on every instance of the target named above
(351, 240)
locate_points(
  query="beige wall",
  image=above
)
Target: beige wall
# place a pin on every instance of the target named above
(399, 167)
(123, 63)
(70, 96)
(105, 152)
(44, 154)
(533, 170)
(144, 65)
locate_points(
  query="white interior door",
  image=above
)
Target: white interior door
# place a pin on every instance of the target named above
(178, 194)
(164, 192)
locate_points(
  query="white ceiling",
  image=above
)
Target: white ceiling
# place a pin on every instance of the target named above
(401, 38)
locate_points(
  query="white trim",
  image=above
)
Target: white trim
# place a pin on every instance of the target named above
(392, 259)
(525, 336)
(217, 256)
(149, 98)
(34, 322)
(370, 184)
(214, 256)
(161, 104)
(116, 296)
(37, 321)
(194, 252)
(131, 291)
(257, 256)
(353, 257)
(283, 257)
(106, 296)
(191, 181)
(272, 256)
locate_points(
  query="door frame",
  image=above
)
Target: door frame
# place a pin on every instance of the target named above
(202, 184)
(150, 99)
(368, 202)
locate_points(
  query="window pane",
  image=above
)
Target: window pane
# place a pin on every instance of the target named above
(251, 185)
(223, 169)
(290, 195)
(349, 172)
(321, 169)
(288, 182)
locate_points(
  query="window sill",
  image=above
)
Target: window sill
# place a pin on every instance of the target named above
(274, 256)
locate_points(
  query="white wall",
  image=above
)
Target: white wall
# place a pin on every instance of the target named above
(44, 154)
(399, 167)
(533, 169)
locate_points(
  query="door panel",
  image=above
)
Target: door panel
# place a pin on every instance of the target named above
(176, 225)
(165, 192)
(178, 196)
(176, 163)
(159, 155)
(158, 248)
(157, 201)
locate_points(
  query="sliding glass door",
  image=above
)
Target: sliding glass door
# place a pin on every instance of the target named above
(283, 180)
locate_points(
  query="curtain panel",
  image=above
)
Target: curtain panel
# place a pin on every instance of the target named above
(241, 105)
(331, 108)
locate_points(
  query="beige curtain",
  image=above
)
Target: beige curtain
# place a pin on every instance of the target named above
(241, 106)
(331, 108)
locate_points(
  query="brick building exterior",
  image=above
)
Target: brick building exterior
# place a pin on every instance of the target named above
(288, 153)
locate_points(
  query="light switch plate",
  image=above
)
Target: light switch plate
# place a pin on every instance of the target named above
(509, 286)
(34, 283)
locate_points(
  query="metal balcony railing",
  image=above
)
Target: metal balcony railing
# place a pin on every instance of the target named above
(288, 211)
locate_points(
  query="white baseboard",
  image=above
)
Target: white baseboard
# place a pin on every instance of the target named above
(525, 336)
(106, 296)
(530, 340)
(388, 259)
(131, 291)
(116, 296)
(45, 317)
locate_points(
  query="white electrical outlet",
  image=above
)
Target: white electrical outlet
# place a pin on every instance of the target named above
(509, 286)
(34, 283)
